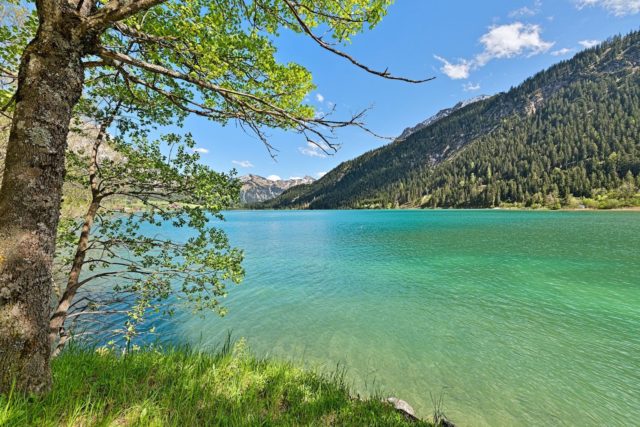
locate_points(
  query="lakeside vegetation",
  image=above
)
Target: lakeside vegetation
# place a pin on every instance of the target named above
(182, 387)
(601, 200)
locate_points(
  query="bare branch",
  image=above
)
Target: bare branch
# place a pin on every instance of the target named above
(331, 49)
(329, 16)
(95, 313)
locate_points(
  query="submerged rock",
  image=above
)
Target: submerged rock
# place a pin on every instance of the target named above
(408, 411)
(402, 406)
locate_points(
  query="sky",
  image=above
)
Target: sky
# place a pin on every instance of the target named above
(472, 48)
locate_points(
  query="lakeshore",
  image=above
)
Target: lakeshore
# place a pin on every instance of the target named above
(464, 304)
(181, 387)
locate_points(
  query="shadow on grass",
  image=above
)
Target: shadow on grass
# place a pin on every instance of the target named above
(182, 387)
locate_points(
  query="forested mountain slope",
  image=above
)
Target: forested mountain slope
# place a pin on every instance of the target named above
(570, 131)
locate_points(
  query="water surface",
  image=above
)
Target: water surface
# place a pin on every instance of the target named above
(517, 318)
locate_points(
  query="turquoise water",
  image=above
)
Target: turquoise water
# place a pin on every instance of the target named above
(516, 318)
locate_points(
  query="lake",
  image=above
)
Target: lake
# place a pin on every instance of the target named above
(513, 317)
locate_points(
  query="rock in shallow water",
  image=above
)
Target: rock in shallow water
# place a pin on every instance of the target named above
(401, 405)
(410, 413)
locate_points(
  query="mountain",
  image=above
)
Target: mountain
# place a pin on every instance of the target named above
(80, 141)
(258, 189)
(572, 131)
(440, 115)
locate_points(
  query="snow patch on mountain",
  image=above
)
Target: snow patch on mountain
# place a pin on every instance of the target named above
(440, 115)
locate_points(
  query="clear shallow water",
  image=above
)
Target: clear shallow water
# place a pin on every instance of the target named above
(518, 318)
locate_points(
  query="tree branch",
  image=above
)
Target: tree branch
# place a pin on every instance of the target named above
(117, 10)
(140, 35)
(234, 97)
(93, 64)
(327, 46)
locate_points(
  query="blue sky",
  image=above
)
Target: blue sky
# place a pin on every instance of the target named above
(472, 47)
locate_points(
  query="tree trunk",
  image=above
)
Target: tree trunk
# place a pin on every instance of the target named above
(57, 339)
(49, 85)
(73, 283)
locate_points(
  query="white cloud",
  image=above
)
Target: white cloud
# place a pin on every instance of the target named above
(320, 174)
(455, 71)
(274, 178)
(527, 11)
(501, 41)
(319, 97)
(523, 11)
(616, 7)
(507, 41)
(313, 150)
(588, 43)
(243, 163)
(562, 52)
(200, 150)
(470, 87)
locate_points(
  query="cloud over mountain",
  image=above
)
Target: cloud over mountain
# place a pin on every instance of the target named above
(501, 41)
(616, 7)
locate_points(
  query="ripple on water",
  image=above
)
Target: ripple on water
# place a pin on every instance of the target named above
(518, 318)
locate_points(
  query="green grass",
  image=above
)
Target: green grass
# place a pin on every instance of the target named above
(181, 387)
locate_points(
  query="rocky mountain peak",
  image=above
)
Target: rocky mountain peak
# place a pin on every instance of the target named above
(256, 188)
(440, 115)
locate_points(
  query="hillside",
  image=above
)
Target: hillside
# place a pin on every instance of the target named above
(439, 116)
(570, 131)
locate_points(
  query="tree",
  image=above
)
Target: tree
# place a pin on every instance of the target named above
(208, 57)
(110, 164)
(117, 164)
(135, 268)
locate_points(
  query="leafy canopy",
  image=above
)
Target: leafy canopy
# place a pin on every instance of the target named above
(217, 58)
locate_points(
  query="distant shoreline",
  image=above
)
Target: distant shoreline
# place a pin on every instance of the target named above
(629, 208)
(625, 209)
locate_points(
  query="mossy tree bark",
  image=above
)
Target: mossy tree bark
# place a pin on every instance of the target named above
(49, 85)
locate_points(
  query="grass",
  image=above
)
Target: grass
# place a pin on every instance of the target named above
(181, 387)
